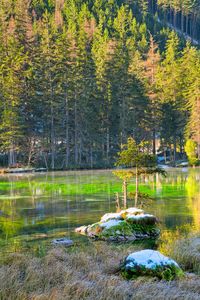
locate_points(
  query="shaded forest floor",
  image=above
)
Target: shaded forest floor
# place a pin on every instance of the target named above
(87, 272)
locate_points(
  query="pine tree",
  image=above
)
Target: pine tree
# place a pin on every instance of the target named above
(11, 71)
(150, 65)
(169, 87)
(191, 84)
(135, 157)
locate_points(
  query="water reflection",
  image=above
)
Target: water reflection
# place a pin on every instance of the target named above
(47, 205)
(193, 195)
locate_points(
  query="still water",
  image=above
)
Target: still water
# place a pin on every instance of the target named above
(39, 207)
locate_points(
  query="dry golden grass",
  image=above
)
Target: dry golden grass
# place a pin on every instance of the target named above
(187, 253)
(184, 248)
(85, 273)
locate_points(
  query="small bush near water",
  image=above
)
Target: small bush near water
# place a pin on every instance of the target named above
(90, 272)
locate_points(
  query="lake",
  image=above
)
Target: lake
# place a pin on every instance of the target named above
(35, 208)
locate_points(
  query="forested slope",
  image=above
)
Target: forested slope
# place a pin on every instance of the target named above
(78, 77)
(183, 15)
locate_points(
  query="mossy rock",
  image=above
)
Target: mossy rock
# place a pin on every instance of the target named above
(144, 220)
(122, 229)
(135, 225)
(94, 229)
(111, 216)
(131, 212)
(150, 263)
(149, 230)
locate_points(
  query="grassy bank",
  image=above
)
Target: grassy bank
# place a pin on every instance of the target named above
(85, 272)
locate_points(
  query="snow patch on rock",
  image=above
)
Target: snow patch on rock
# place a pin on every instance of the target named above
(127, 230)
(111, 223)
(133, 211)
(137, 217)
(111, 216)
(149, 259)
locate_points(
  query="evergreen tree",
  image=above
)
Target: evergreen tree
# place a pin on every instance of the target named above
(77, 78)
(170, 93)
(151, 65)
(137, 158)
(11, 74)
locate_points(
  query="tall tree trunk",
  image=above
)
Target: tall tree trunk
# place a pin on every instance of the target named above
(52, 128)
(154, 142)
(174, 20)
(182, 22)
(174, 152)
(117, 202)
(136, 186)
(80, 151)
(124, 188)
(52, 139)
(45, 160)
(67, 153)
(123, 120)
(11, 156)
(107, 145)
(91, 157)
(198, 151)
(31, 150)
(75, 133)
(186, 29)
(165, 155)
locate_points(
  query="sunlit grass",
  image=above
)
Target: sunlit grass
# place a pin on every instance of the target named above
(84, 271)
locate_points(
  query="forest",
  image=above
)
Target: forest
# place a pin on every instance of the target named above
(77, 78)
(183, 15)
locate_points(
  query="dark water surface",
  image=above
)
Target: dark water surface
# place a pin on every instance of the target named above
(38, 207)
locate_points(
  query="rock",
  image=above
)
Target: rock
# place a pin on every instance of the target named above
(63, 241)
(150, 263)
(118, 230)
(107, 217)
(81, 229)
(144, 219)
(127, 225)
(94, 230)
(132, 211)
(111, 223)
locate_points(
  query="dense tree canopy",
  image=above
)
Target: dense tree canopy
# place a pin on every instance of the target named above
(77, 78)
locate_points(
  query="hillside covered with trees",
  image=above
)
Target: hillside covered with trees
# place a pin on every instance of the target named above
(182, 14)
(77, 78)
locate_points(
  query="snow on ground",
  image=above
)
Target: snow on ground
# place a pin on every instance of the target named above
(150, 259)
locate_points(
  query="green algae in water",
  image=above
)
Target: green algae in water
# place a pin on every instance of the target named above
(46, 204)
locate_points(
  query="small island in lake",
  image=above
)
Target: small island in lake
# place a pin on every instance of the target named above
(127, 225)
